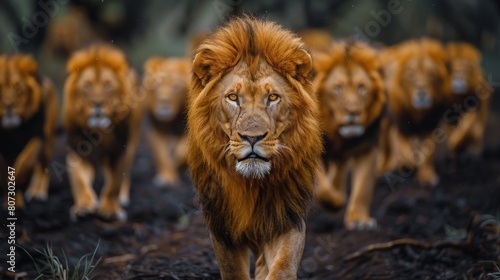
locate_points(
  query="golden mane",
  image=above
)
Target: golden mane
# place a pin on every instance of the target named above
(97, 55)
(26, 65)
(239, 210)
(420, 48)
(352, 53)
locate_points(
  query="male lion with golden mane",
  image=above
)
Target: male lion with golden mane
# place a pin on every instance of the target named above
(102, 120)
(352, 98)
(468, 110)
(166, 82)
(254, 145)
(418, 89)
(28, 114)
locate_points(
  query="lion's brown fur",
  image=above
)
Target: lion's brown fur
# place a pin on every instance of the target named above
(409, 135)
(250, 211)
(349, 65)
(27, 147)
(466, 128)
(111, 147)
(422, 121)
(166, 82)
(347, 55)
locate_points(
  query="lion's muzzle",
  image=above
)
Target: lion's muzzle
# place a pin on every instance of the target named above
(10, 119)
(97, 118)
(252, 160)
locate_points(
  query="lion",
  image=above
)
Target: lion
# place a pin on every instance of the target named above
(28, 113)
(166, 81)
(102, 115)
(254, 144)
(468, 108)
(317, 40)
(417, 82)
(351, 93)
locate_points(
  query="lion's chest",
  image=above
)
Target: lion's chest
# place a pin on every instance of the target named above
(99, 144)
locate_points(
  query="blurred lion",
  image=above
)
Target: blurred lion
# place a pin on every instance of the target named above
(352, 98)
(418, 89)
(28, 113)
(317, 40)
(468, 110)
(102, 121)
(166, 82)
(254, 145)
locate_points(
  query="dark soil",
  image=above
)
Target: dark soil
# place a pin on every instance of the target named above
(164, 237)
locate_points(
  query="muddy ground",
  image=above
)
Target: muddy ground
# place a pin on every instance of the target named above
(423, 233)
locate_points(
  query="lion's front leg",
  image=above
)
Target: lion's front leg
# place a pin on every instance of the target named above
(363, 182)
(283, 254)
(27, 159)
(81, 176)
(113, 177)
(163, 155)
(331, 186)
(39, 184)
(233, 262)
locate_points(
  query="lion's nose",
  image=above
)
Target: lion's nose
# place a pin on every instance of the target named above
(252, 139)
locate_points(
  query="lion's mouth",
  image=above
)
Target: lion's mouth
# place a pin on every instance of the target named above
(11, 121)
(459, 85)
(351, 130)
(164, 113)
(98, 119)
(253, 155)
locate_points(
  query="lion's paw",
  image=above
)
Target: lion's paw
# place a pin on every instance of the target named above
(361, 224)
(112, 211)
(83, 209)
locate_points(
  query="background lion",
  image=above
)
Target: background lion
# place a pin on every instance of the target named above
(166, 82)
(352, 98)
(418, 89)
(469, 106)
(254, 144)
(28, 113)
(102, 118)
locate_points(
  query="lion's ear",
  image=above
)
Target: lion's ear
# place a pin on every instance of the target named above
(303, 62)
(201, 66)
(153, 64)
(27, 64)
(321, 61)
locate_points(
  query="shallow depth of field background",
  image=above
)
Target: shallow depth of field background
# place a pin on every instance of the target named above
(164, 237)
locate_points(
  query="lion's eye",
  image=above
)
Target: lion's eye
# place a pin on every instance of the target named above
(16, 87)
(410, 74)
(107, 86)
(233, 97)
(361, 90)
(338, 90)
(273, 97)
(87, 86)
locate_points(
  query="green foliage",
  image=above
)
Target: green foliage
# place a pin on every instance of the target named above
(56, 268)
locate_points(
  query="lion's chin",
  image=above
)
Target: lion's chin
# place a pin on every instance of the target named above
(351, 130)
(11, 121)
(98, 122)
(253, 168)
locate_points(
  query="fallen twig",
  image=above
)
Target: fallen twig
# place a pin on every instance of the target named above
(403, 242)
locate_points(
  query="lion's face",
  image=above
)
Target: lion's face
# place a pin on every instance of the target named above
(166, 81)
(99, 95)
(421, 80)
(464, 67)
(99, 87)
(421, 75)
(347, 95)
(254, 115)
(20, 92)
